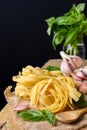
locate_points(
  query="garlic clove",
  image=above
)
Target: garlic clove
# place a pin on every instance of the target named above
(77, 61)
(80, 74)
(75, 77)
(21, 106)
(84, 70)
(83, 87)
(65, 67)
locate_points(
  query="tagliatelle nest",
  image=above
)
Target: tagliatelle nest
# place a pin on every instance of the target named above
(46, 90)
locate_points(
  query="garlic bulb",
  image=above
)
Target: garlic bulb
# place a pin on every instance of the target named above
(75, 61)
(71, 66)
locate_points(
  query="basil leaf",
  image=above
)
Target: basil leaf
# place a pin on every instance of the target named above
(59, 36)
(80, 7)
(66, 20)
(84, 26)
(50, 23)
(36, 115)
(31, 115)
(49, 116)
(52, 68)
(82, 102)
(71, 35)
(57, 39)
(49, 31)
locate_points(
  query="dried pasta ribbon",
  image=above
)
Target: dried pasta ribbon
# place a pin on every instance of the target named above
(46, 90)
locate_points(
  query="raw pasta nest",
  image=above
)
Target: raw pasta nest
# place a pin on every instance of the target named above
(46, 90)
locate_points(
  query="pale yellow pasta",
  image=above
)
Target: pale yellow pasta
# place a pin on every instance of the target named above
(22, 91)
(46, 90)
(50, 95)
(56, 73)
(31, 75)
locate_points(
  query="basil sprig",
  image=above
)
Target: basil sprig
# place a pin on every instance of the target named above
(69, 28)
(36, 115)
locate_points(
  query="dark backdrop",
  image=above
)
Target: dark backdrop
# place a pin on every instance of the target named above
(23, 37)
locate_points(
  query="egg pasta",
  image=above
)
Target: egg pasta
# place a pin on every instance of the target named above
(46, 90)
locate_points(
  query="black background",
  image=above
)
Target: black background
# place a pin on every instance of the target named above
(23, 37)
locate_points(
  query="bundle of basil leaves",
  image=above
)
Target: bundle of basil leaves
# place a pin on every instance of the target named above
(69, 28)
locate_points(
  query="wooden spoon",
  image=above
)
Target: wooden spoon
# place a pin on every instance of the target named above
(71, 116)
